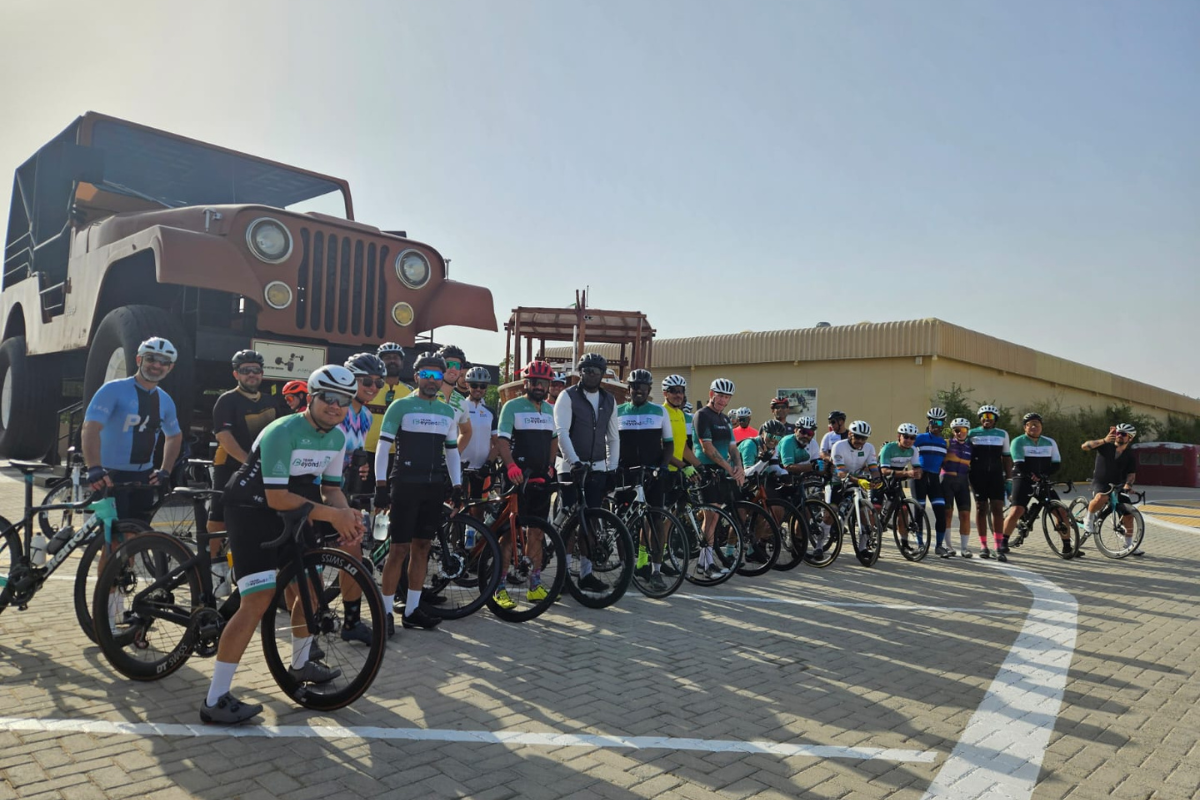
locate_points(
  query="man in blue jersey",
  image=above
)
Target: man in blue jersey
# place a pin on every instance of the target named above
(930, 452)
(121, 428)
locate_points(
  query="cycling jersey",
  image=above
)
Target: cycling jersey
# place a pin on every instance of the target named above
(1035, 456)
(895, 456)
(849, 461)
(792, 452)
(379, 406)
(742, 434)
(291, 454)
(681, 432)
(832, 438)
(529, 427)
(989, 447)
(642, 430)
(931, 450)
(131, 418)
(958, 458)
(426, 437)
(355, 426)
(457, 401)
(1111, 467)
(715, 428)
(243, 415)
(483, 427)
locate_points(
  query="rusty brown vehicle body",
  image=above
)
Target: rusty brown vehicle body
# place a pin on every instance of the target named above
(118, 232)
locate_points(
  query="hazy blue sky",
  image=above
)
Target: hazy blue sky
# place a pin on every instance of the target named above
(1029, 170)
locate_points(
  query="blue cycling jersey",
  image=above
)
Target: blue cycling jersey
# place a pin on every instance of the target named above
(131, 418)
(930, 452)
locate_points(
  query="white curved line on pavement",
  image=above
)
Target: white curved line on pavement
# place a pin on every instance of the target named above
(835, 604)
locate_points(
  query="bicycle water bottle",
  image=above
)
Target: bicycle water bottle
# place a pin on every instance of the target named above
(37, 550)
(380, 531)
(469, 537)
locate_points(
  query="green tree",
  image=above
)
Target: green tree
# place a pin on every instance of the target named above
(1185, 430)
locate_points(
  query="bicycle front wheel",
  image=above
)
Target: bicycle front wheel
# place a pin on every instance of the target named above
(87, 576)
(1111, 534)
(610, 549)
(357, 664)
(51, 522)
(910, 528)
(870, 539)
(793, 543)
(724, 554)
(666, 543)
(10, 555)
(1062, 534)
(824, 528)
(454, 574)
(176, 515)
(536, 552)
(143, 606)
(763, 540)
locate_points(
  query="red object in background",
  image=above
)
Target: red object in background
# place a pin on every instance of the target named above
(1168, 464)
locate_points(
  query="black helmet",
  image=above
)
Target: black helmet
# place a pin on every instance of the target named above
(593, 360)
(1031, 417)
(247, 357)
(450, 351)
(433, 360)
(640, 376)
(772, 427)
(836, 415)
(366, 364)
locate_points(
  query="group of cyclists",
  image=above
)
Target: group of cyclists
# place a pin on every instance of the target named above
(356, 435)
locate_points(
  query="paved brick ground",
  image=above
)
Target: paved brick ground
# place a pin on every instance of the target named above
(692, 667)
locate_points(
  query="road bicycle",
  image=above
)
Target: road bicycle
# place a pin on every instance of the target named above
(822, 523)
(173, 615)
(661, 537)
(728, 539)
(862, 521)
(1058, 526)
(792, 546)
(1112, 536)
(598, 535)
(906, 520)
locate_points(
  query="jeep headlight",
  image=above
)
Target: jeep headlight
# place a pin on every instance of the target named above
(278, 295)
(269, 240)
(402, 314)
(412, 268)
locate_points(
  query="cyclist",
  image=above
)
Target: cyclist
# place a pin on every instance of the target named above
(779, 411)
(425, 433)
(797, 454)
(286, 462)
(1114, 465)
(741, 425)
(646, 444)
(896, 461)
(991, 469)
(121, 428)
(295, 394)
(556, 386)
(456, 363)
(393, 389)
(1035, 458)
(763, 449)
(527, 446)
(837, 432)
(587, 431)
(714, 436)
(481, 450)
(238, 416)
(855, 458)
(931, 451)
(956, 488)
(682, 460)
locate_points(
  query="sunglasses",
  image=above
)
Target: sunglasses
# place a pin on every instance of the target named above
(539, 383)
(675, 390)
(806, 431)
(249, 371)
(453, 365)
(377, 382)
(478, 385)
(854, 437)
(430, 374)
(937, 423)
(591, 371)
(907, 436)
(160, 360)
(333, 399)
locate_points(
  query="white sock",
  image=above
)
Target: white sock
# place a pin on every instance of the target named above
(1129, 541)
(965, 542)
(389, 603)
(585, 567)
(114, 616)
(300, 648)
(656, 568)
(413, 600)
(222, 680)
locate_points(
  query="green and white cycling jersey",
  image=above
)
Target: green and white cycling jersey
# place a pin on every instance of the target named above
(292, 454)
(893, 456)
(643, 429)
(529, 428)
(849, 461)
(989, 446)
(1035, 456)
(424, 431)
(791, 452)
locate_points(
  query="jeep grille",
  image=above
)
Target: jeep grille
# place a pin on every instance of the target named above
(341, 285)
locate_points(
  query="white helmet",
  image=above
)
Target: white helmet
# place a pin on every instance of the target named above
(158, 346)
(961, 422)
(860, 428)
(988, 409)
(1126, 428)
(807, 423)
(722, 386)
(687, 408)
(332, 378)
(936, 413)
(743, 413)
(479, 375)
(908, 429)
(559, 377)
(671, 381)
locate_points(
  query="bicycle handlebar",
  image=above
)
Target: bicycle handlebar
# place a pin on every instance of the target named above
(94, 497)
(293, 524)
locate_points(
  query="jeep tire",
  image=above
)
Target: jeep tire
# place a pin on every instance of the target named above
(29, 401)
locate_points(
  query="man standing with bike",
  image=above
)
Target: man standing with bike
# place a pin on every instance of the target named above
(393, 389)
(931, 451)
(646, 444)
(991, 470)
(1115, 465)
(719, 460)
(1035, 459)
(779, 411)
(855, 458)
(281, 473)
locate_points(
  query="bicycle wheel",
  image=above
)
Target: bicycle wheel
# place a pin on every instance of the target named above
(454, 574)
(51, 522)
(611, 554)
(762, 537)
(1110, 534)
(359, 664)
(177, 516)
(793, 544)
(10, 556)
(1053, 514)
(87, 576)
(912, 537)
(1078, 509)
(152, 579)
(726, 552)
(825, 532)
(866, 535)
(664, 537)
(516, 569)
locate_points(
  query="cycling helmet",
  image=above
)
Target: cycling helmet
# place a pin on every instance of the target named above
(960, 422)
(537, 369)
(779, 402)
(479, 375)
(450, 351)
(908, 429)
(743, 413)
(295, 387)
(430, 360)
(390, 347)
(860, 428)
(672, 381)
(332, 378)
(687, 408)
(1031, 417)
(936, 413)
(594, 360)
(559, 378)
(808, 423)
(1126, 428)
(836, 415)
(641, 376)
(772, 427)
(366, 364)
(722, 386)
(158, 346)
(988, 409)
(247, 357)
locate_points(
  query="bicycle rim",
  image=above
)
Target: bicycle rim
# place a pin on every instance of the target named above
(914, 530)
(1110, 540)
(727, 551)
(793, 544)
(666, 543)
(762, 539)
(51, 522)
(825, 533)
(1064, 548)
(87, 576)
(358, 663)
(10, 556)
(516, 570)
(612, 559)
(458, 579)
(177, 516)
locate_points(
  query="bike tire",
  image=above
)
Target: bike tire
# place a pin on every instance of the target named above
(616, 556)
(177, 516)
(465, 588)
(324, 567)
(87, 576)
(158, 641)
(874, 532)
(1053, 537)
(822, 551)
(657, 525)
(762, 539)
(916, 528)
(792, 538)
(553, 573)
(1110, 540)
(727, 531)
(11, 553)
(51, 522)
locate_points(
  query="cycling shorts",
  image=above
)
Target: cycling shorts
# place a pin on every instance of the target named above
(417, 511)
(1124, 506)
(534, 501)
(1023, 490)
(987, 486)
(134, 503)
(929, 485)
(957, 492)
(716, 488)
(250, 528)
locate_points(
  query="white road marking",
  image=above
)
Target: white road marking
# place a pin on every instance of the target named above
(1000, 752)
(102, 727)
(892, 606)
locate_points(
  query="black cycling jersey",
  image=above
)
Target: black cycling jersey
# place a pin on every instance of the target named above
(1111, 467)
(244, 416)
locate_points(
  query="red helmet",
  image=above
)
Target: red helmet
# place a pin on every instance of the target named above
(538, 369)
(779, 402)
(295, 387)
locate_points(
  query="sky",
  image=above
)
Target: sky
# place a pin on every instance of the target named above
(1029, 170)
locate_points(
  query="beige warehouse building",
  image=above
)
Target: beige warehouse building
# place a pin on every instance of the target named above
(887, 372)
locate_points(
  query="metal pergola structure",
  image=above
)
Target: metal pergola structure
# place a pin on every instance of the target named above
(579, 326)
